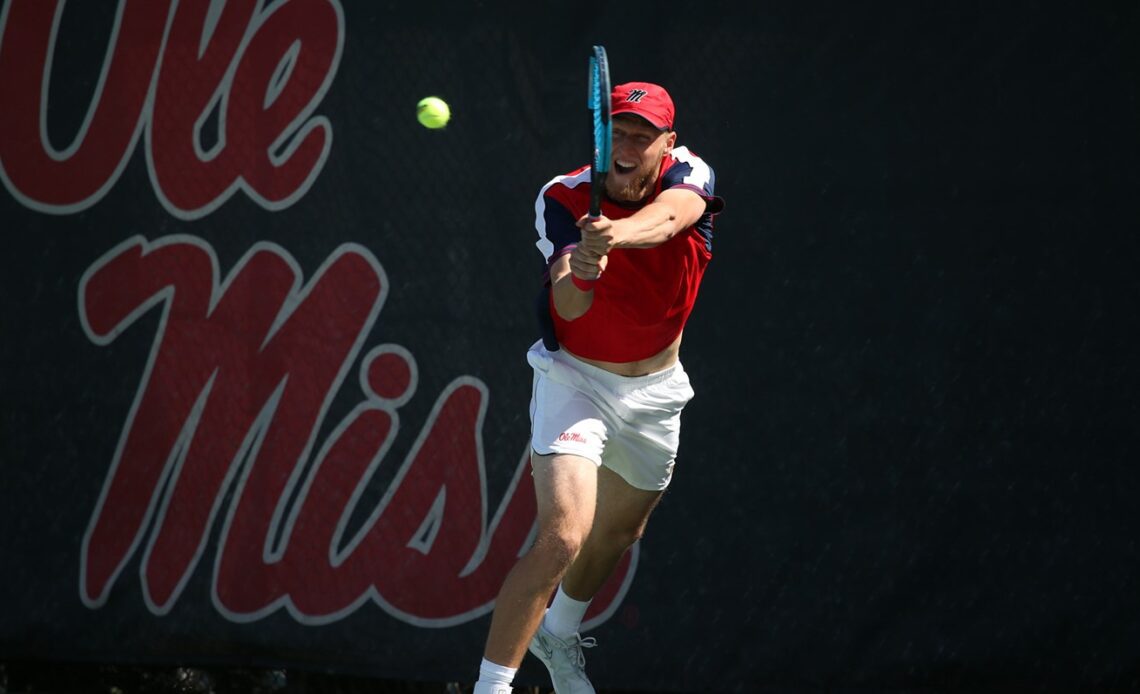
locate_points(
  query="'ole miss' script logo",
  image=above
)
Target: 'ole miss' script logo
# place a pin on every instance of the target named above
(168, 66)
(222, 433)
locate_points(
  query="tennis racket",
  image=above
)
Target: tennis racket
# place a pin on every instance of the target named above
(598, 102)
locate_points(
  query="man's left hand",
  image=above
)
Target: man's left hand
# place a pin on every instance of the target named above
(598, 234)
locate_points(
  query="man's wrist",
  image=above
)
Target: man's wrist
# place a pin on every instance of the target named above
(581, 284)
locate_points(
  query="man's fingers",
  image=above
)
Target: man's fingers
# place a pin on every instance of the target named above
(592, 249)
(594, 226)
(585, 264)
(596, 242)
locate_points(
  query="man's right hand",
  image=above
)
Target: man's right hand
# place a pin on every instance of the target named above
(586, 264)
(570, 299)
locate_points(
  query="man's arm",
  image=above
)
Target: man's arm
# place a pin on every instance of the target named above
(673, 211)
(570, 299)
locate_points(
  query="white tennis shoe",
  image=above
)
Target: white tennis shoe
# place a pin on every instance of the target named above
(564, 660)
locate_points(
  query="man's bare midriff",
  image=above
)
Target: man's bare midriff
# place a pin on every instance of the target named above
(642, 367)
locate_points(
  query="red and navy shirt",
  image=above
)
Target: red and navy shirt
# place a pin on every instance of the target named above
(645, 295)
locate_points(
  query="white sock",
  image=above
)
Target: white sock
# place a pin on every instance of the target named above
(491, 674)
(565, 614)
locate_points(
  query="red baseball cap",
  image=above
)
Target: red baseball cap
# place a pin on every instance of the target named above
(644, 99)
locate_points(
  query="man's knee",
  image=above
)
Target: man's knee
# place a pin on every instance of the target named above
(623, 537)
(559, 547)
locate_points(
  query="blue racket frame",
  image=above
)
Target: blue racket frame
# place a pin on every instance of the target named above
(598, 101)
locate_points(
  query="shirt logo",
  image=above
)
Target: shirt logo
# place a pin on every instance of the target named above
(572, 436)
(636, 95)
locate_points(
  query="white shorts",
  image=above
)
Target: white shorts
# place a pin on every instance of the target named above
(631, 425)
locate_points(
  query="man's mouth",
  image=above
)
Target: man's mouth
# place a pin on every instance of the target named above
(624, 167)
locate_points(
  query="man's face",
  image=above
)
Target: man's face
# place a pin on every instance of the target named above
(638, 149)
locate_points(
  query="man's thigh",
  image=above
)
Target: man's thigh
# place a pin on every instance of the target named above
(566, 489)
(622, 509)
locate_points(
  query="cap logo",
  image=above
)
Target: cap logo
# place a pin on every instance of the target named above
(636, 95)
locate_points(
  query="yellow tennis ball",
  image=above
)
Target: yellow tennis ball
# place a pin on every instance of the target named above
(433, 112)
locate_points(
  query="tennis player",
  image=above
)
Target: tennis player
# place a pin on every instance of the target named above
(608, 384)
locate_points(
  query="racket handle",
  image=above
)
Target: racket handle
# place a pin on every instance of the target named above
(595, 195)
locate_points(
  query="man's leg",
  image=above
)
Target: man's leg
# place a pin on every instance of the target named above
(622, 513)
(619, 519)
(566, 487)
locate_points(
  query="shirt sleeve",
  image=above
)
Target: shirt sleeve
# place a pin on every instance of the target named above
(557, 235)
(557, 229)
(692, 173)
